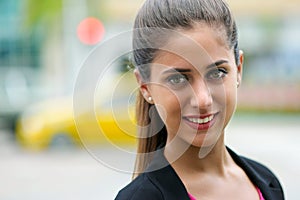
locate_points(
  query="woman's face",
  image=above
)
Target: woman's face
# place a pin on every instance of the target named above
(193, 84)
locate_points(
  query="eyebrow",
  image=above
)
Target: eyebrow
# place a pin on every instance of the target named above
(219, 62)
(181, 70)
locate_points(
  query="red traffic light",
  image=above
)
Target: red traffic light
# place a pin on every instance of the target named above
(90, 31)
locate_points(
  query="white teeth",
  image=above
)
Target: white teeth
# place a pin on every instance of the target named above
(205, 120)
(201, 121)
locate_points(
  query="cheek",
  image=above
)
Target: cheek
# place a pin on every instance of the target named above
(168, 104)
(219, 95)
(231, 100)
(225, 94)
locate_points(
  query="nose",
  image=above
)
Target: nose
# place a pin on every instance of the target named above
(201, 95)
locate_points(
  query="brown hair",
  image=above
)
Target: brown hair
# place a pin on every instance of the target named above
(156, 16)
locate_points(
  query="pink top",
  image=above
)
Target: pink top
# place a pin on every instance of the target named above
(258, 190)
(191, 197)
(260, 194)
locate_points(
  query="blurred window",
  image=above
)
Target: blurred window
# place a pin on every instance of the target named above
(16, 47)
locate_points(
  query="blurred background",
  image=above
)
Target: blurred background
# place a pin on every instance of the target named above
(43, 45)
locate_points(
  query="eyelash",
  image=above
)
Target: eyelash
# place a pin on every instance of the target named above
(184, 79)
(221, 73)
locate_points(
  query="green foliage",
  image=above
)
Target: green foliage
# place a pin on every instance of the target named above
(42, 11)
(126, 64)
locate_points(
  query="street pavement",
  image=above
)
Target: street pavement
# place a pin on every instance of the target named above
(77, 174)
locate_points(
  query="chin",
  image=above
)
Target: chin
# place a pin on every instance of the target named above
(205, 144)
(205, 141)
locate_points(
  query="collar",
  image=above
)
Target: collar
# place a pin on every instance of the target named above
(260, 176)
(161, 173)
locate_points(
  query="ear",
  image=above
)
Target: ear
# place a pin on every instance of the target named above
(240, 67)
(144, 88)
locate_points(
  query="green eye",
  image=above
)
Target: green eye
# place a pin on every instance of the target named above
(177, 79)
(216, 74)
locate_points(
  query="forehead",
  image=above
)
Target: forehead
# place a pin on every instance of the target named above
(200, 45)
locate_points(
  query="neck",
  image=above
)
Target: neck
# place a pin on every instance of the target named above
(216, 161)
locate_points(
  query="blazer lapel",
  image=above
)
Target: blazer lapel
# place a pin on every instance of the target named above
(166, 179)
(261, 177)
(168, 182)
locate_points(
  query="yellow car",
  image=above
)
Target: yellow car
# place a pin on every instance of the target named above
(54, 121)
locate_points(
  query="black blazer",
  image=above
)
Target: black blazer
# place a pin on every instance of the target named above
(164, 183)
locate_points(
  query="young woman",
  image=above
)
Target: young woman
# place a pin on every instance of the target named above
(189, 67)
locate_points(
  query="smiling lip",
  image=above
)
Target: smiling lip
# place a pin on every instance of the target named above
(202, 122)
